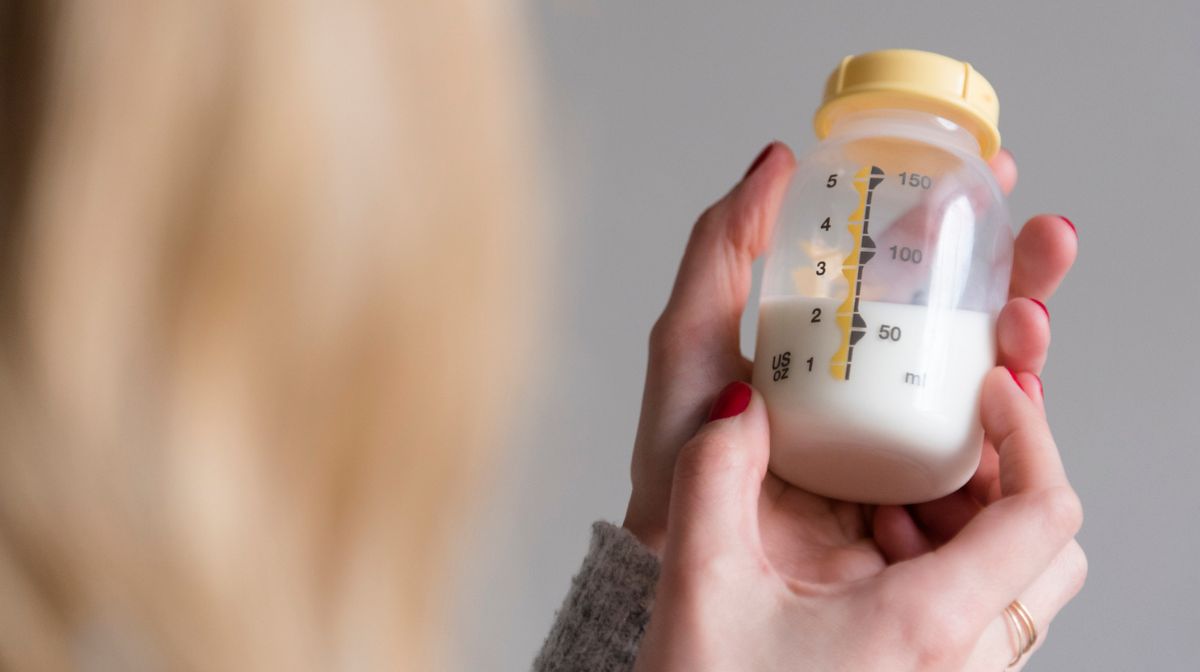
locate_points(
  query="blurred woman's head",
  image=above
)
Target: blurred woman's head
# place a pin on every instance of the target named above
(263, 273)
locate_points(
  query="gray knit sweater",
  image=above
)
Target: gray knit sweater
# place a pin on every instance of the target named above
(606, 611)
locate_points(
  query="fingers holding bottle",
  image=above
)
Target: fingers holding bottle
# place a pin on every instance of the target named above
(1012, 541)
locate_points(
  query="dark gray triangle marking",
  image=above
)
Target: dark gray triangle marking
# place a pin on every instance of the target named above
(876, 177)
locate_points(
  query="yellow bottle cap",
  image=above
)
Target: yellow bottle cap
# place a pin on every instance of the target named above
(914, 80)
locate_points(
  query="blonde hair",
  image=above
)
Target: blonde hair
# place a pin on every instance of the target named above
(265, 272)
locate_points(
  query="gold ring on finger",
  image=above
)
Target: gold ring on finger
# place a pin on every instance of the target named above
(1023, 625)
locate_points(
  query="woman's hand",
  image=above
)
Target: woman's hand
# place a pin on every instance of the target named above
(725, 603)
(695, 349)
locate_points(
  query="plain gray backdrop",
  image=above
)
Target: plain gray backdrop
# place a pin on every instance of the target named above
(654, 109)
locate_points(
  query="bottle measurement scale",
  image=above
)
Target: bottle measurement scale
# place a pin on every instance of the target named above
(855, 316)
(848, 317)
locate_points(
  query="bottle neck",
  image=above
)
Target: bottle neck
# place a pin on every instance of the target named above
(908, 124)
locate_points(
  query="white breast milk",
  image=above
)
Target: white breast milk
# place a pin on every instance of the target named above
(899, 423)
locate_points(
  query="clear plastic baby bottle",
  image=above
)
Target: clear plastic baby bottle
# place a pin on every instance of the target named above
(879, 296)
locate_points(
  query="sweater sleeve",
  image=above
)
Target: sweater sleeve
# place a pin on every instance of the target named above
(606, 611)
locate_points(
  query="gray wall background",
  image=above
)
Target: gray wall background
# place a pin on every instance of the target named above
(653, 109)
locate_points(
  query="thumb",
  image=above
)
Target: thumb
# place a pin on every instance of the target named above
(718, 477)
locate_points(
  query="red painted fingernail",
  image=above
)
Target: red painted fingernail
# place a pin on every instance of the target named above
(1070, 224)
(1014, 376)
(758, 160)
(732, 400)
(1042, 306)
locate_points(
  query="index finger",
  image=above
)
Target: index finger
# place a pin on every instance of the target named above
(713, 282)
